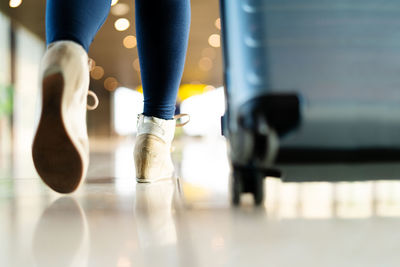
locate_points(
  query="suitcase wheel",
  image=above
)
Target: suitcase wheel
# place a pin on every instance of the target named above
(247, 181)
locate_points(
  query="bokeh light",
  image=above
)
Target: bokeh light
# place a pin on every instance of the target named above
(114, 2)
(214, 40)
(122, 24)
(218, 23)
(120, 9)
(15, 3)
(205, 64)
(129, 41)
(97, 73)
(209, 52)
(110, 83)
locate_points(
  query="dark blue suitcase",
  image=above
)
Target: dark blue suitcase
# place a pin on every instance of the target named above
(312, 89)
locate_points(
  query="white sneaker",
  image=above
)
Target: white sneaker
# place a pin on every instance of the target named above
(152, 151)
(60, 148)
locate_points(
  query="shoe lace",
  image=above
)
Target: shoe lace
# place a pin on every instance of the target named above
(92, 64)
(179, 118)
(96, 101)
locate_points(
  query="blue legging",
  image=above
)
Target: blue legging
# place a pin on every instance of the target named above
(162, 29)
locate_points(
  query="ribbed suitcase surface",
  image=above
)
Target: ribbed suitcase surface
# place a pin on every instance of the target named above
(341, 56)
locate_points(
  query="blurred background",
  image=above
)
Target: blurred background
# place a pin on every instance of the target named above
(116, 76)
(113, 221)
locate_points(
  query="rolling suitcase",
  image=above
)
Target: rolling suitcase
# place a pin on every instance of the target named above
(312, 90)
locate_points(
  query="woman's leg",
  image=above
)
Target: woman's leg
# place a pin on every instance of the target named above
(75, 20)
(60, 148)
(162, 28)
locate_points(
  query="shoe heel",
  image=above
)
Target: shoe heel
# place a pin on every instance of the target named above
(56, 158)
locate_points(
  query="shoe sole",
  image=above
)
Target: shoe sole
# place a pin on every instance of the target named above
(55, 156)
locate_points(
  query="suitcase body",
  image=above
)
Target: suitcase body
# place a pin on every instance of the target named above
(310, 82)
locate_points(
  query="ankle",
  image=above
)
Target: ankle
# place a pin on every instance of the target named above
(164, 129)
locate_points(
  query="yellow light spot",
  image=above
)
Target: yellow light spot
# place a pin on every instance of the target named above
(188, 90)
(120, 9)
(114, 2)
(205, 64)
(139, 89)
(110, 83)
(194, 193)
(122, 24)
(214, 40)
(97, 73)
(136, 65)
(15, 3)
(129, 41)
(218, 23)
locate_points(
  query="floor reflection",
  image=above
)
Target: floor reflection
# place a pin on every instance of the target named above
(324, 200)
(153, 210)
(61, 235)
(156, 208)
(113, 221)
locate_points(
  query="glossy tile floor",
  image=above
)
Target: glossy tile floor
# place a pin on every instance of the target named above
(112, 221)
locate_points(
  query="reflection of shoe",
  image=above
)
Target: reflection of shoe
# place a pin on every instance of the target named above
(61, 235)
(153, 149)
(155, 197)
(61, 149)
(153, 209)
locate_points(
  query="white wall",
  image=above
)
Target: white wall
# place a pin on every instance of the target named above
(5, 131)
(29, 50)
